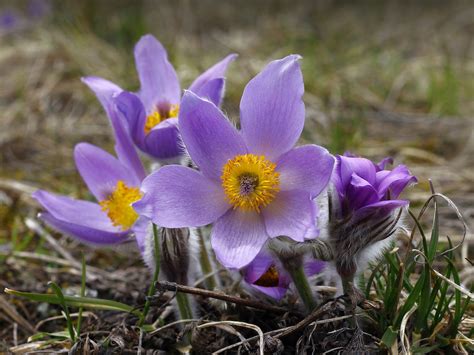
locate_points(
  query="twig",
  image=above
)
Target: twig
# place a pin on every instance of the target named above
(205, 277)
(73, 315)
(171, 286)
(238, 324)
(172, 324)
(318, 312)
(14, 315)
(248, 340)
(276, 331)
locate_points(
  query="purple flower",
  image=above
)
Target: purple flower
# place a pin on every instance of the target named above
(10, 20)
(267, 275)
(115, 183)
(152, 113)
(253, 184)
(365, 188)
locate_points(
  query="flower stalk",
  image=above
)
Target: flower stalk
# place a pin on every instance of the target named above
(184, 306)
(151, 290)
(302, 286)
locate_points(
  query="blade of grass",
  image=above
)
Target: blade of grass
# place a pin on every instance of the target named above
(83, 293)
(74, 301)
(62, 302)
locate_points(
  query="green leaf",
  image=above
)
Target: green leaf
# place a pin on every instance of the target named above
(431, 252)
(62, 302)
(423, 349)
(63, 335)
(74, 301)
(389, 337)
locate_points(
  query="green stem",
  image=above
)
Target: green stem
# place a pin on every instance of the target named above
(185, 312)
(62, 302)
(151, 290)
(83, 293)
(184, 306)
(302, 286)
(205, 261)
(74, 301)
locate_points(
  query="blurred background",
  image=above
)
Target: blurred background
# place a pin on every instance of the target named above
(382, 78)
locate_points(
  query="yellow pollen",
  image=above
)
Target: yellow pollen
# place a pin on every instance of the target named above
(159, 116)
(250, 182)
(119, 205)
(269, 279)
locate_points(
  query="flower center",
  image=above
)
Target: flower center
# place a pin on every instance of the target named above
(163, 112)
(269, 279)
(119, 205)
(250, 182)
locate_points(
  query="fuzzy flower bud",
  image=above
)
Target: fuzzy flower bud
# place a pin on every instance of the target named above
(364, 210)
(175, 249)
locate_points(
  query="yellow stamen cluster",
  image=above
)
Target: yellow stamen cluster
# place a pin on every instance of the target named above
(159, 116)
(269, 279)
(119, 205)
(250, 182)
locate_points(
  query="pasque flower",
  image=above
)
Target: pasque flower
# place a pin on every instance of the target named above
(153, 118)
(253, 185)
(365, 210)
(364, 187)
(114, 182)
(266, 274)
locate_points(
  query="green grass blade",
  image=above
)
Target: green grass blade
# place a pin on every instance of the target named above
(83, 293)
(62, 302)
(431, 252)
(74, 301)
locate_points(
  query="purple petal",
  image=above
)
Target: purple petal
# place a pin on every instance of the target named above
(360, 166)
(85, 234)
(104, 90)
(306, 168)
(258, 267)
(290, 214)
(314, 267)
(395, 181)
(101, 171)
(384, 162)
(176, 197)
(313, 230)
(130, 106)
(360, 193)
(237, 237)
(158, 79)
(212, 90)
(164, 140)
(274, 292)
(381, 207)
(107, 93)
(124, 146)
(201, 86)
(272, 110)
(82, 219)
(209, 137)
(140, 230)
